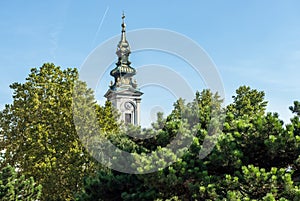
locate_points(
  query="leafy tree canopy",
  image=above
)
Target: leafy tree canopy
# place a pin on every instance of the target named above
(253, 155)
(39, 135)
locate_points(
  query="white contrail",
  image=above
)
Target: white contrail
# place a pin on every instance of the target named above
(100, 25)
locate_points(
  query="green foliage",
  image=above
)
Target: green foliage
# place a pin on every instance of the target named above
(14, 187)
(247, 102)
(256, 183)
(113, 186)
(39, 133)
(256, 156)
(107, 116)
(296, 108)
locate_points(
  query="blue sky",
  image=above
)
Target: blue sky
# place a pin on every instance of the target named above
(255, 43)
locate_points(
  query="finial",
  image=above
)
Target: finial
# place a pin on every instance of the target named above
(123, 22)
(123, 15)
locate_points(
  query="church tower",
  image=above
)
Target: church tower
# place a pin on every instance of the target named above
(123, 92)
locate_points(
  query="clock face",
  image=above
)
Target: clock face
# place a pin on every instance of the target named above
(128, 105)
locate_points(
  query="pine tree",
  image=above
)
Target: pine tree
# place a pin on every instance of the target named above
(17, 188)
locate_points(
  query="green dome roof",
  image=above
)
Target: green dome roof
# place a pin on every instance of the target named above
(122, 70)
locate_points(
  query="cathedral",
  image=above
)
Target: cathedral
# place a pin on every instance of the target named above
(123, 92)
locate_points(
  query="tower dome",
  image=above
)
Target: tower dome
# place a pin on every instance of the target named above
(123, 92)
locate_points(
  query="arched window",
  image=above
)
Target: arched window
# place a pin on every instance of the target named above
(129, 112)
(128, 118)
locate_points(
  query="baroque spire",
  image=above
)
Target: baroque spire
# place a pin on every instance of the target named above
(123, 70)
(123, 92)
(123, 49)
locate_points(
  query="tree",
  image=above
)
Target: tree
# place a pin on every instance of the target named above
(39, 134)
(256, 156)
(248, 102)
(14, 187)
(296, 108)
(107, 116)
